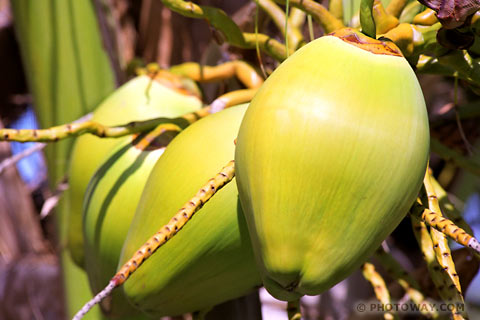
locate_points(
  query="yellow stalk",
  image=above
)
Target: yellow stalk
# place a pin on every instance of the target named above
(427, 17)
(443, 282)
(379, 287)
(163, 235)
(406, 281)
(327, 20)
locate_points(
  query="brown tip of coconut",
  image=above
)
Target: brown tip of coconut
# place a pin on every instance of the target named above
(364, 42)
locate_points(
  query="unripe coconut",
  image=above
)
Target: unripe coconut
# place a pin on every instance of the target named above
(139, 99)
(210, 260)
(330, 155)
(109, 206)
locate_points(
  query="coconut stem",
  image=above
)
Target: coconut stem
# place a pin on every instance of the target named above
(383, 20)
(439, 240)
(266, 44)
(297, 18)
(434, 217)
(56, 133)
(164, 234)
(326, 19)
(380, 288)
(95, 300)
(65, 131)
(395, 7)
(366, 18)
(336, 8)
(448, 227)
(427, 17)
(240, 69)
(310, 27)
(406, 281)
(150, 137)
(176, 223)
(231, 99)
(293, 310)
(228, 29)
(411, 38)
(443, 282)
(291, 33)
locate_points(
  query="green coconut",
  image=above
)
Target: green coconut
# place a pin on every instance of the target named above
(330, 156)
(139, 99)
(210, 260)
(109, 205)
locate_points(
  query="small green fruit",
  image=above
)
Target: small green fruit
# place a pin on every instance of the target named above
(210, 260)
(139, 99)
(331, 154)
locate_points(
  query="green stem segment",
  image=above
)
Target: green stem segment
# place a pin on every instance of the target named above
(293, 310)
(327, 20)
(310, 27)
(257, 45)
(164, 234)
(215, 17)
(57, 133)
(227, 28)
(366, 18)
(406, 281)
(291, 32)
(444, 284)
(267, 44)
